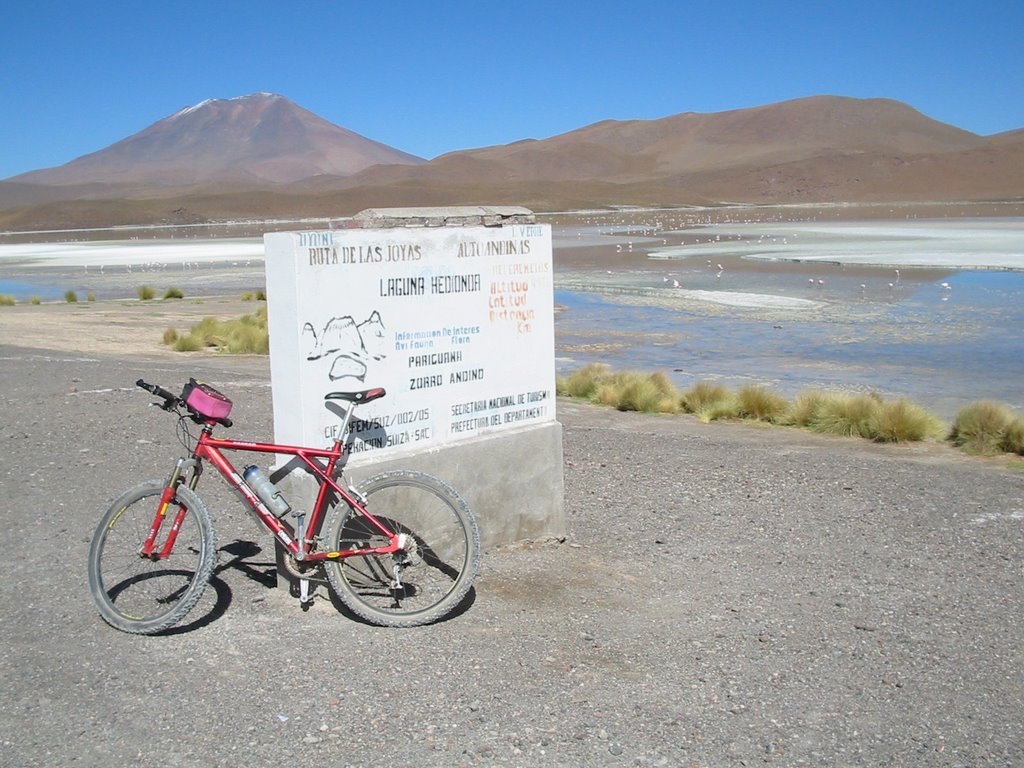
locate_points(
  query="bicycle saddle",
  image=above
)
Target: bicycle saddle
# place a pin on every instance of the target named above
(364, 396)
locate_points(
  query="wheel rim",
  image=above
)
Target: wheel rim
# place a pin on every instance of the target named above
(435, 565)
(141, 589)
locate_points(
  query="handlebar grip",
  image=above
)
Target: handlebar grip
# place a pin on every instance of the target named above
(156, 390)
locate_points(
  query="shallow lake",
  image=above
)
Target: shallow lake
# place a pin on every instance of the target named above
(928, 310)
(931, 310)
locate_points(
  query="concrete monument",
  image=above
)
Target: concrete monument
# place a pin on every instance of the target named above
(451, 311)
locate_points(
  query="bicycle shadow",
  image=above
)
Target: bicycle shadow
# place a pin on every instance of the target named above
(372, 433)
(246, 559)
(242, 560)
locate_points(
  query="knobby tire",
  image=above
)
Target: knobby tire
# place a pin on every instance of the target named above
(143, 595)
(446, 560)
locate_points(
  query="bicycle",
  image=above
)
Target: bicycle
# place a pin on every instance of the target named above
(410, 561)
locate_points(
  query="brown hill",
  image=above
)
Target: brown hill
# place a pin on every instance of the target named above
(645, 150)
(819, 149)
(1009, 138)
(256, 139)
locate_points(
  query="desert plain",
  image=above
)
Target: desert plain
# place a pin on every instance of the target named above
(726, 594)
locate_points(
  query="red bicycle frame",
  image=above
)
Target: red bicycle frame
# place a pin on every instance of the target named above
(295, 540)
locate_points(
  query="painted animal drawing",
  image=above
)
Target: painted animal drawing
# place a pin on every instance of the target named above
(345, 348)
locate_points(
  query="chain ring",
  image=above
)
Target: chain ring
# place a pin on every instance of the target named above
(297, 570)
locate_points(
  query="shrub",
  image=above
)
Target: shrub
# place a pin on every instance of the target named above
(170, 336)
(981, 426)
(760, 403)
(261, 296)
(709, 401)
(187, 344)
(174, 293)
(70, 297)
(901, 421)
(849, 415)
(244, 335)
(633, 391)
(248, 340)
(805, 409)
(583, 383)
(626, 390)
(247, 296)
(145, 293)
(7, 301)
(35, 300)
(209, 332)
(90, 296)
(866, 416)
(702, 394)
(1013, 436)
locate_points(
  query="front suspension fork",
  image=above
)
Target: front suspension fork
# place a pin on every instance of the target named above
(181, 467)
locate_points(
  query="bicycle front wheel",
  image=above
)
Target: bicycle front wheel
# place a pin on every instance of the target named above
(429, 578)
(148, 594)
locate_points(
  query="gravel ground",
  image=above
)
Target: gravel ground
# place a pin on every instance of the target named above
(727, 596)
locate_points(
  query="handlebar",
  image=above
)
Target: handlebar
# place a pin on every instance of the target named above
(172, 401)
(159, 391)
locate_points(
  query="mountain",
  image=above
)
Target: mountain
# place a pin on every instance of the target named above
(261, 138)
(643, 150)
(821, 149)
(818, 149)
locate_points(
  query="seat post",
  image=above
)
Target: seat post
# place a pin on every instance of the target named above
(345, 422)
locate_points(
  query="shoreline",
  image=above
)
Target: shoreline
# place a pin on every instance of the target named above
(943, 244)
(937, 336)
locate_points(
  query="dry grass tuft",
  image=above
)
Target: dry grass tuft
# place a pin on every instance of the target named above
(761, 404)
(981, 426)
(583, 383)
(1013, 436)
(902, 421)
(849, 415)
(626, 391)
(634, 391)
(246, 335)
(709, 402)
(805, 408)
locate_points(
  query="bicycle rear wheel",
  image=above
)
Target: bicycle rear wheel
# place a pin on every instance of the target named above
(145, 595)
(436, 570)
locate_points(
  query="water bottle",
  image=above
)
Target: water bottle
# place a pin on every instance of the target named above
(266, 490)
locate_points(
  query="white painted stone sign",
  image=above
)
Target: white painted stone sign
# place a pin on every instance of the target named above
(456, 323)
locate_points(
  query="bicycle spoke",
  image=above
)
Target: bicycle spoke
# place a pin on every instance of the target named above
(143, 594)
(436, 567)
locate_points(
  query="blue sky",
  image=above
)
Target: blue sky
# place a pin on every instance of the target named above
(429, 78)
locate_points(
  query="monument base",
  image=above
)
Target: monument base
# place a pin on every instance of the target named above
(512, 481)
